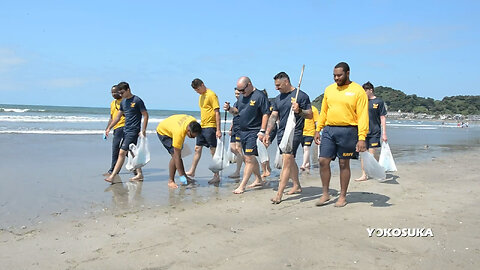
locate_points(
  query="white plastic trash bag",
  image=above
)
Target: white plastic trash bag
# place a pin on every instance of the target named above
(139, 155)
(220, 159)
(286, 144)
(386, 159)
(262, 151)
(186, 151)
(278, 160)
(232, 158)
(371, 166)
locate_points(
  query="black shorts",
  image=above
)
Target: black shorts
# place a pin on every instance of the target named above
(249, 142)
(129, 138)
(307, 141)
(167, 143)
(235, 136)
(297, 140)
(207, 138)
(339, 142)
(373, 141)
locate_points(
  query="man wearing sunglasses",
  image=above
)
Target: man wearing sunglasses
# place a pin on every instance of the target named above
(252, 107)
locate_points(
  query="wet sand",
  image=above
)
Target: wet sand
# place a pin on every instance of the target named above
(248, 232)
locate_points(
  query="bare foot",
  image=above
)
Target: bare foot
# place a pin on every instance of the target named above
(238, 191)
(256, 184)
(190, 174)
(302, 168)
(109, 179)
(234, 175)
(362, 178)
(172, 184)
(277, 199)
(214, 180)
(322, 201)
(341, 202)
(294, 191)
(137, 177)
(107, 174)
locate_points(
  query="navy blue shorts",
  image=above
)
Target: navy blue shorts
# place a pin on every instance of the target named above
(235, 136)
(339, 142)
(129, 138)
(207, 138)
(307, 141)
(297, 140)
(167, 143)
(249, 142)
(273, 134)
(373, 141)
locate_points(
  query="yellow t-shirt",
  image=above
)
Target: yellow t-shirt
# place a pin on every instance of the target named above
(175, 127)
(208, 102)
(309, 127)
(345, 105)
(114, 108)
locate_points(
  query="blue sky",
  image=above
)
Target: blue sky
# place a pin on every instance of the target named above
(71, 52)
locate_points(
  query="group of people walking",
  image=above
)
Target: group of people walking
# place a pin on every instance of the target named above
(341, 128)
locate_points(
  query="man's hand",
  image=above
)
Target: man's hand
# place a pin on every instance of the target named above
(226, 106)
(361, 146)
(296, 107)
(384, 137)
(107, 131)
(317, 137)
(218, 134)
(143, 133)
(266, 139)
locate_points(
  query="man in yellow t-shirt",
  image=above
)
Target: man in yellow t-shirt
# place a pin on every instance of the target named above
(344, 120)
(308, 133)
(210, 122)
(117, 129)
(172, 132)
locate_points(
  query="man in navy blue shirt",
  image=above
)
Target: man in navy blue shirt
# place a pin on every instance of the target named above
(133, 108)
(282, 105)
(252, 107)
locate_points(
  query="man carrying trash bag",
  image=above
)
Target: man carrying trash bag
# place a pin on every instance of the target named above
(171, 132)
(344, 120)
(288, 100)
(252, 107)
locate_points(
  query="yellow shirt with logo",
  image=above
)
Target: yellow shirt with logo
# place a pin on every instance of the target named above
(114, 108)
(208, 102)
(175, 127)
(309, 127)
(345, 105)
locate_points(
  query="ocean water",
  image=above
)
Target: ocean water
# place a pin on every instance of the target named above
(53, 159)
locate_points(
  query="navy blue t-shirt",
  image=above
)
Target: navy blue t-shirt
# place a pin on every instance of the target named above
(282, 105)
(132, 108)
(236, 121)
(376, 108)
(251, 110)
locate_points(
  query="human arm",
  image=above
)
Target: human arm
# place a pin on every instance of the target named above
(145, 123)
(362, 116)
(113, 122)
(218, 123)
(230, 109)
(272, 121)
(383, 122)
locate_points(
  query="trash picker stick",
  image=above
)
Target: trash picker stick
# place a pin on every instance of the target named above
(299, 83)
(223, 135)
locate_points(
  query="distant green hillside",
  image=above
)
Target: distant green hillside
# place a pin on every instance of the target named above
(397, 100)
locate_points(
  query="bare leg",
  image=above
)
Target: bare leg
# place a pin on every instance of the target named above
(171, 174)
(364, 176)
(306, 158)
(233, 148)
(325, 175)
(287, 169)
(138, 176)
(118, 165)
(266, 169)
(216, 177)
(196, 159)
(294, 176)
(251, 166)
(344, 180)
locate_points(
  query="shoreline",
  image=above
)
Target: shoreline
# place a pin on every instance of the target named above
(238, 231)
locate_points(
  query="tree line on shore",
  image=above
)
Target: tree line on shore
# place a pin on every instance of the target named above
(397, 100)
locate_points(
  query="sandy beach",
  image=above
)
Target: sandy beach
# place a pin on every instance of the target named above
(248, 232)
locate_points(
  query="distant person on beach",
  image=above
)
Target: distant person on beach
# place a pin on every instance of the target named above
(377, 124)
(309, 131)
(133, 108)
(252, 107)
(172, 132)
(210, 122)
(281, 109)
(117, 129)
(344, 120)
(235, 144)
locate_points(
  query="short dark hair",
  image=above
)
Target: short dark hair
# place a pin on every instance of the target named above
(195, 127)
(368, 85)
(196, 83)
(123, 86)
(282, 75)
(343, 65)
